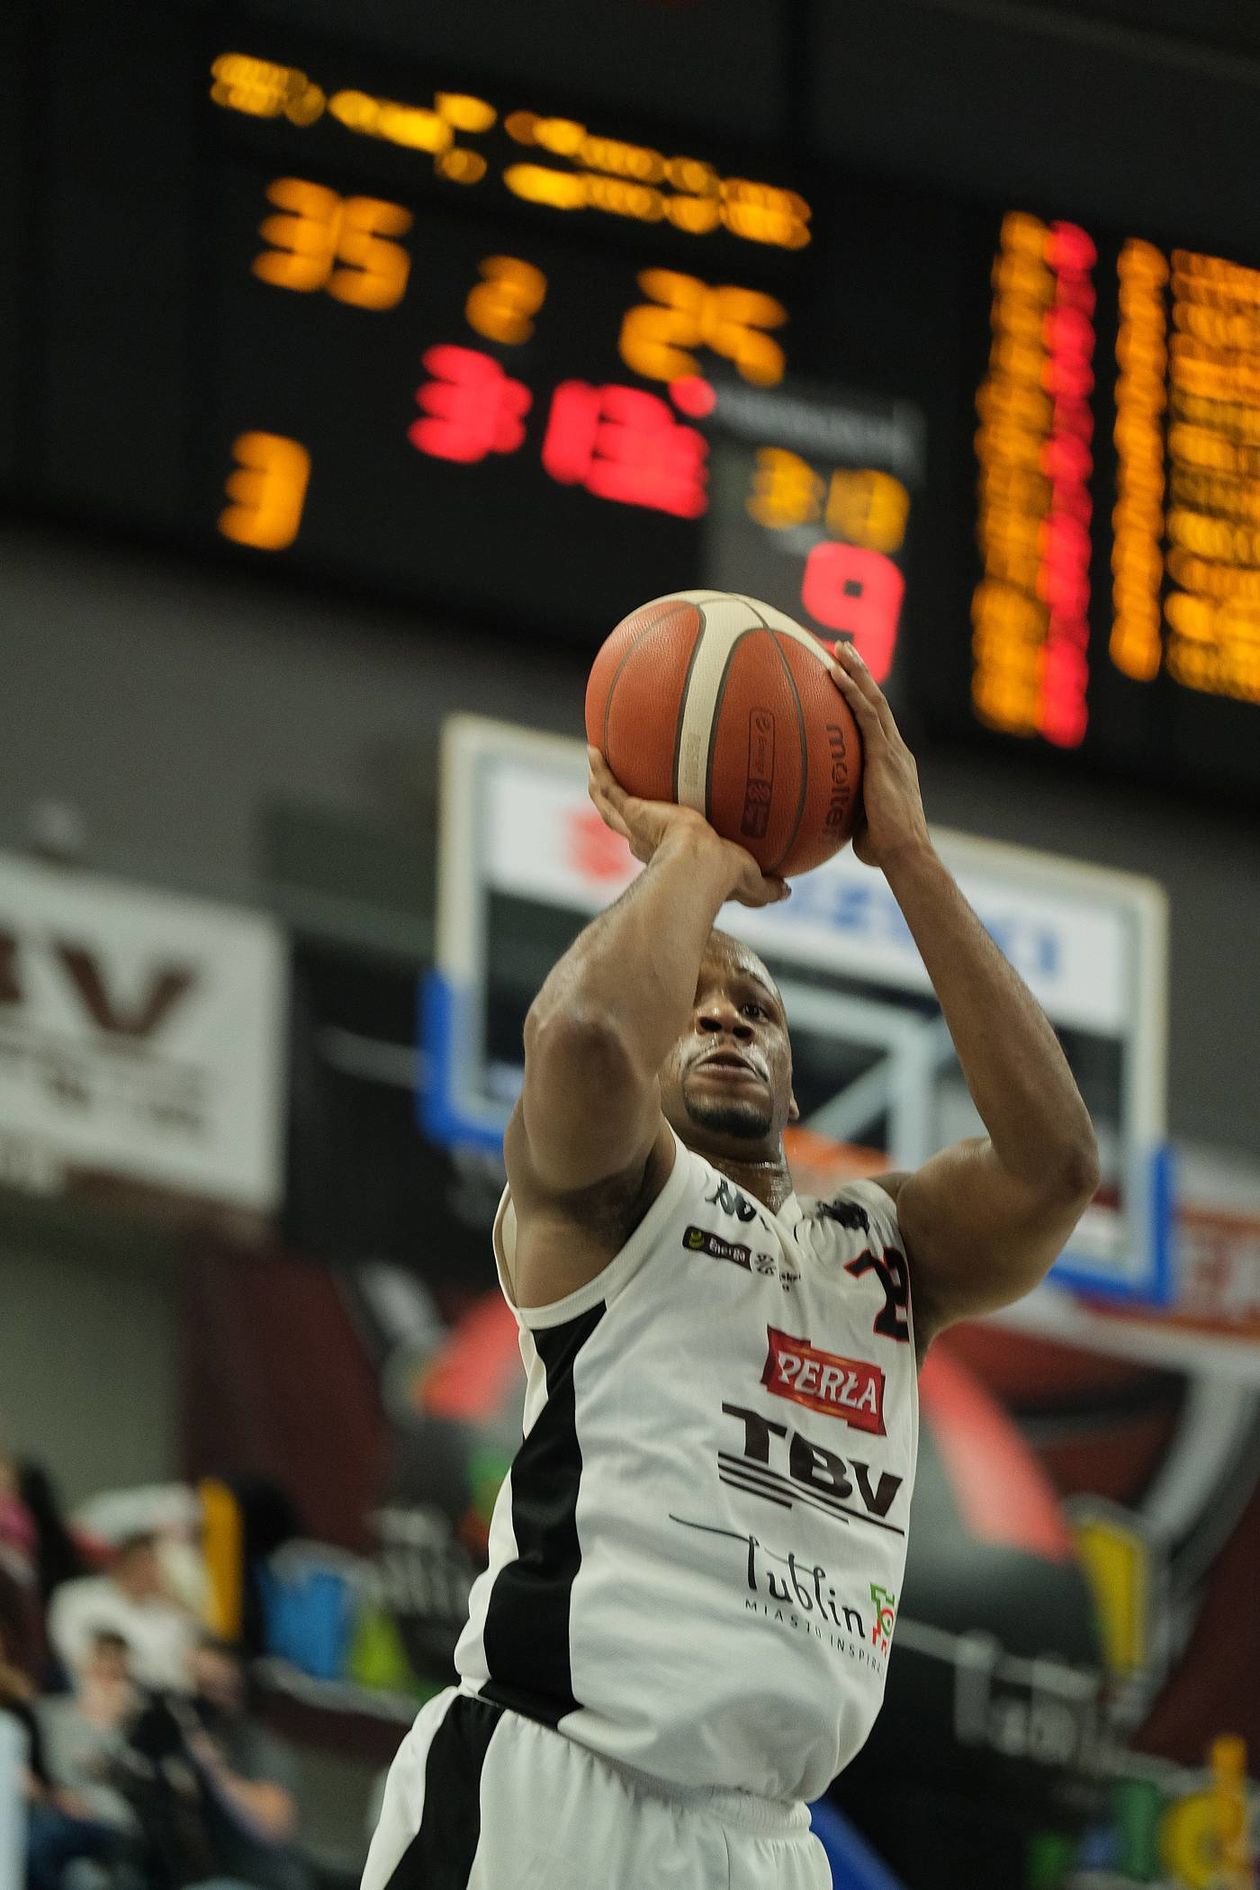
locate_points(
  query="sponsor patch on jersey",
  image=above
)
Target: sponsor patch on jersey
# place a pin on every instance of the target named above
(847, 1388)
(704, 1240)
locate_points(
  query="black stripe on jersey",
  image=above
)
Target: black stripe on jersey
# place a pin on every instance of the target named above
(440, 1855)
(526, 1636)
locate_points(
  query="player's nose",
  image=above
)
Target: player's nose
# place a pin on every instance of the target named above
(717, 1014)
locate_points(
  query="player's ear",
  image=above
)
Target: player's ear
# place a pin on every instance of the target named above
(794, 1108)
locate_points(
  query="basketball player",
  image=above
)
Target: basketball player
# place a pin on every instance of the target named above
(695, 1562)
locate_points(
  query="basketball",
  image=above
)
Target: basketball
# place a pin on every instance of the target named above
(716, 701)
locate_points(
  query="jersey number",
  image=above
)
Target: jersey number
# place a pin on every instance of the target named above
(892, 1321)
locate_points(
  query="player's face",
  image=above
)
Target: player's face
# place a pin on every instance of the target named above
(727, 1083)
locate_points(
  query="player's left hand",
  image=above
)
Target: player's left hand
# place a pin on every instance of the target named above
(892, 818)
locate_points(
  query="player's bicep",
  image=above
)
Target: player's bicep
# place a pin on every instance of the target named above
(587, 1111)
(977, 1236)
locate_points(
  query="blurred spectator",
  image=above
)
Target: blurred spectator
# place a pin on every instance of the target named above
(133, 1600)
(249, 1775)
(84, 1733)
(213, 1791)
(169, 1512)
(61, 1825)
(57, 1556)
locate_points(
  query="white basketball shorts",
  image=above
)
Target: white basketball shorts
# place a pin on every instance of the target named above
(480, 1798)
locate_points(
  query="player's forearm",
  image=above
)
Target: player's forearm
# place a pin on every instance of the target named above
(1016, 1071)
(633, 970)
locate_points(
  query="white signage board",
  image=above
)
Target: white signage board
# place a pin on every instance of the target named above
(1056, 921)
(141, 1038)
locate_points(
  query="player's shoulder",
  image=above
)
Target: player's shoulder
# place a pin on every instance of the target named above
(860, 1211)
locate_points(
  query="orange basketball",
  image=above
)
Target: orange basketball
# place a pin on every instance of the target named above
(718, 702)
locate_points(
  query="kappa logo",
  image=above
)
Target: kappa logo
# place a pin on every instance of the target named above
(704, 1240)
(847, 1388)
(731, 1200)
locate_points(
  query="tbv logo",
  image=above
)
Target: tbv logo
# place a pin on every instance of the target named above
(812, 1474)
(84, 973)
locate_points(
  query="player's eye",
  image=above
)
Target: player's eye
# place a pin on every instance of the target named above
(755, 1009)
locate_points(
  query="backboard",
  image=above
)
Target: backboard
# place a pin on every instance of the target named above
(525, 862)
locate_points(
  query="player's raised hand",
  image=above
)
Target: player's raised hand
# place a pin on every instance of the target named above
(646, 825)
(892, 807)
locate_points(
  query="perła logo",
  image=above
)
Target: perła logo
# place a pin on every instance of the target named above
(847, 1388)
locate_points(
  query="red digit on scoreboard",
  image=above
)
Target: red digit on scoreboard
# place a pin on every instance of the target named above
(857, 591)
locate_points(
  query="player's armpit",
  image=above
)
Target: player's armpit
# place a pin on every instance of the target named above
(978, 1236)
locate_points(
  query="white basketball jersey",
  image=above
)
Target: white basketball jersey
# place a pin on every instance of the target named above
(696, 1559)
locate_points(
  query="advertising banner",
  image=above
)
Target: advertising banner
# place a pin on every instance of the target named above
(141, 1040)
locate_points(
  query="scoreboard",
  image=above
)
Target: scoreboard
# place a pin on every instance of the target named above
(310, 308)
(1117, 456)
(549, 369)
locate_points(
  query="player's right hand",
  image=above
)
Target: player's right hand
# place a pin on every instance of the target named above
(647, 825)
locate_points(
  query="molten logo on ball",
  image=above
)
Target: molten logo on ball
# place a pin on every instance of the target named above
(841, 784)
(760, 783)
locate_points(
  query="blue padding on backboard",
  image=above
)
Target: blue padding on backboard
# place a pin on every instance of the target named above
(1155, 1288)
(854, 1865)
(437, 1105)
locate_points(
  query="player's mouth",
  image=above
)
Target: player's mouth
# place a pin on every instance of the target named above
(728, 1063)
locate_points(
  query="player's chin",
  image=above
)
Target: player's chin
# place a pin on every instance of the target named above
(747, 1118)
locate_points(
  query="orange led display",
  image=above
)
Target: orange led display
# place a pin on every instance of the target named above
(862, 506)
(342, 244)
(868, 508)
(502, 304)
(593, 171)
(541, 183)
(685, 313)
(267, 491)
(1211, 615)
(262, 89)
(1030, 613)
(1137, 565)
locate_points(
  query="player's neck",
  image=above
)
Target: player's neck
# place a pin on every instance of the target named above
(769, 1181)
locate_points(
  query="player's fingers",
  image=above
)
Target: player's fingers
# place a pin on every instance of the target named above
(763, 889)
(602, 773)
(609, 809)
(614, 819)
(865, 709)
(849, 662)
(854, 665)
